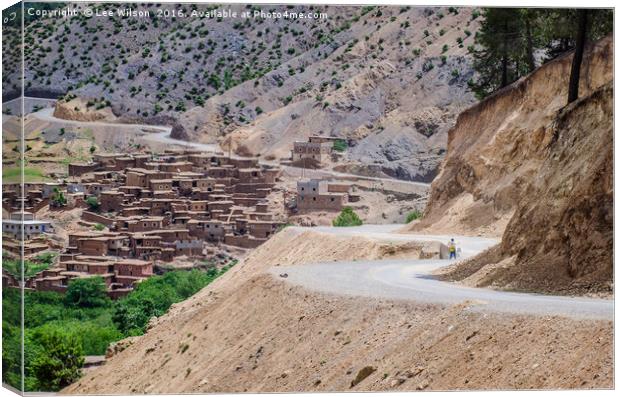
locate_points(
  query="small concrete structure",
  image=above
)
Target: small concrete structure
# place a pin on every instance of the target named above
(25, 222)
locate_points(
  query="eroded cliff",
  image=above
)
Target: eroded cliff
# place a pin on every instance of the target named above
(525, 166)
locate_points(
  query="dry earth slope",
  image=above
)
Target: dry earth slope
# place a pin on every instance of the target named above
(250, 332)
(523, 165)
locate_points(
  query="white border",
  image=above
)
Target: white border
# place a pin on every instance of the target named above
(496, 3)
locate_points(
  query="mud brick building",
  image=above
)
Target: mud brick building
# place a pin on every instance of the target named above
(321, 195)
(317, 149)
(119, 274)
(154, 208)
(170, 204)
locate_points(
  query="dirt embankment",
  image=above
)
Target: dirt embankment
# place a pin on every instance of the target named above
(80, 109)
(524, 166)
(250, 332)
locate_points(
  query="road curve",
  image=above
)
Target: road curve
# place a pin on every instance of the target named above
(412, 280)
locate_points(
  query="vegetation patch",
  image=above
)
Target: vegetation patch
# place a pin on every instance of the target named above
(413, 215)
(31, 267)
(340, 145)
(31, 174)
(347, 217)
(59, 330)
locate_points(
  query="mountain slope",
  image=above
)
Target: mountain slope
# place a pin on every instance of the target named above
(378, 74)
(389, 79)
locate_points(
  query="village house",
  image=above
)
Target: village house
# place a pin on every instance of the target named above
(322, 195)
(24, 224)
(156, 207)
(317, 149)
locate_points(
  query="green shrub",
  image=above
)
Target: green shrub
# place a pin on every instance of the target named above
(340, 145)
(60, 361)
(58, 198)
(427, 66)
(46, 258)
(413, 215)
(283, 226)
(93, 203)
(347, 218)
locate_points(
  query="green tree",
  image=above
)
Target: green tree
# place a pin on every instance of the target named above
(58, 198)
(501, 45)
(566, 29)
(340, 145)
(509, 37)
(347, 217)
(214, 81)
(93, 203)
(228, 79)
(573, 84)
(59, 362)
(87, 292)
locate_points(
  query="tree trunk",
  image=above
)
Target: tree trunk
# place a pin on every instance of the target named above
(573, 84)
(504, 71)
(505, 56)
(529, 44)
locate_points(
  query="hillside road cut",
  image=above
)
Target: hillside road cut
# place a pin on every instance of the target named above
(404, 279)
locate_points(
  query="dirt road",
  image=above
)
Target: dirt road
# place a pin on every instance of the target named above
(162, 136)
(412, 280)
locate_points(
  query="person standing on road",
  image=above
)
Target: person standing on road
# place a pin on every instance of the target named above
(452, 249)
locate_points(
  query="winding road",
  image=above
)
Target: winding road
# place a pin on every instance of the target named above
(412, 279)
(392, 279)
(152, 133)
(161, 134)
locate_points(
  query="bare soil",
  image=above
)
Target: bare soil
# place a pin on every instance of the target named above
(251, 332)
(523, 165)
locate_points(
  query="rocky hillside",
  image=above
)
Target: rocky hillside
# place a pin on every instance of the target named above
(391, 80)
(523, 165)
(251, 332)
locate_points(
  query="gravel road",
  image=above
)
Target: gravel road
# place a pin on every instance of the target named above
(412, 280)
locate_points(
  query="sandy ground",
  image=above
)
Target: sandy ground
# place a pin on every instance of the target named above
(249, 331)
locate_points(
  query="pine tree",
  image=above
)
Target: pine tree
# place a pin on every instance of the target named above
(497, 61)
(509, 38)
